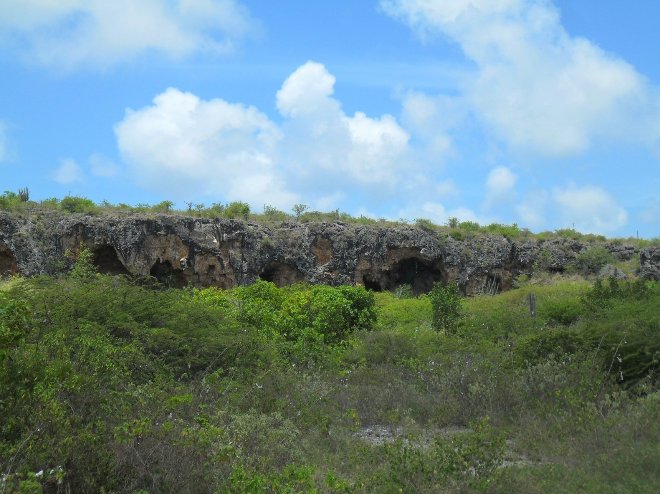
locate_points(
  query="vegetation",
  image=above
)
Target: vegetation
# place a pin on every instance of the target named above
(114, 384)
(459, 230)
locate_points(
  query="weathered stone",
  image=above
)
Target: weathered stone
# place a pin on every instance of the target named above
(649, 263)
(181, 250)
(609, 271)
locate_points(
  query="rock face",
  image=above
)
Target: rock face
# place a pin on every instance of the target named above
(649, 263)
(226, 253)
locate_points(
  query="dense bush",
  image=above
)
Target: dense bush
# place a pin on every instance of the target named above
(446, 305)
(112, 384)
(73, 204)
(592, 260)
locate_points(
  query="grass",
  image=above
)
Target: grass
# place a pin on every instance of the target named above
(134, 388)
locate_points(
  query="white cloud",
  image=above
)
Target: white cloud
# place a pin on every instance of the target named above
(430, 118)
(307, 92)
(323, 143)
(69, 33)
(192, 149)
(438, 213)
(500, 185)
(184, 145)
(589, 209)
(68, 172)
(537, 86)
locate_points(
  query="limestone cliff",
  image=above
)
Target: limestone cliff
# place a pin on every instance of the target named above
(220, 252)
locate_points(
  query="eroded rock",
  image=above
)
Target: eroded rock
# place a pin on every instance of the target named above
(226, 253)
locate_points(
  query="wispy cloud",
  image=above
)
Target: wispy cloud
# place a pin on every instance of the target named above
(589, 209)
(537, 87)
(69, 34)
(68, 172)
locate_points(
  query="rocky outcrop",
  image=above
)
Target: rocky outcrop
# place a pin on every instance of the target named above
(225, 253)
(649, 263)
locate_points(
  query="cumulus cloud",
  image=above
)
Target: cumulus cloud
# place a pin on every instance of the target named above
(500, 185)
(68, 172)
(431, 118)
(184, 145)
(321, 140)
(538, 87)
(70, 33)
(589, 208)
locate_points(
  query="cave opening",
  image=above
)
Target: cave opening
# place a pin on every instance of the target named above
(492, 285)
(419, 274)
(282, 274)
(165, 273)
(371, 284)
(107, 261)
(8, 263)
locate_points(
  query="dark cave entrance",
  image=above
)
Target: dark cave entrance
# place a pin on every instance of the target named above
(282, 274)
(419, 274)
(167, 275)
(492, 285)
(107, 261)
(8, 264)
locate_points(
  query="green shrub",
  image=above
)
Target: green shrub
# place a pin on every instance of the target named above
(538, 347)
(568, 233)
(10, 201)
(425, 224)
(446, 305)
(74, 204)
(457, 235)
(593, 259)
(562, 312)
(469, 226)
(237, 209)
(331, 312)
(508, 231)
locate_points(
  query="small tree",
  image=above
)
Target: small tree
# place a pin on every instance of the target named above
(84, 268)
(237, 209)
(446, 306)
(298, 210)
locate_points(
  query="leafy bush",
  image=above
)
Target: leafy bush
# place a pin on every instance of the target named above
(592, 260)
(472, 456)
(237, 209)
(508, 231)
(425, 224)
(10, 201)
(563, 312)
(331, 312)
(538, 347)
(74, 204)
(446, 304)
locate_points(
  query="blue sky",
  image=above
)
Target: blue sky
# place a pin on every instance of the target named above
(543, 113)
